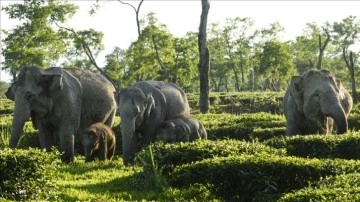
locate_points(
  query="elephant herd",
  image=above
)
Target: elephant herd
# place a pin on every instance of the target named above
(64, 103)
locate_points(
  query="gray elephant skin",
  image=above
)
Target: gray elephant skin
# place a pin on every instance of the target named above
(99, 142)
(181, 129)
(143, 107)
(61, 104)
(315, 102)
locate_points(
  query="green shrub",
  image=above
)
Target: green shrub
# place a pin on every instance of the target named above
(260, 126)
(27, 175)
(344, 187)
(167, 156)
(258, 177)
(320, 146)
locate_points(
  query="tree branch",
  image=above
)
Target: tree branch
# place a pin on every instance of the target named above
(136, 12)
(162, 65)
(322, 47)
(89, 54)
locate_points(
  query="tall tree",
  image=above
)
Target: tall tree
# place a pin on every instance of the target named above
(305, 48)
(116, 68)
(185, 72)
(276, 64)
(152, 55)
(237, 42)
(219, 72)
(35, 41)
(346, 34)
(204, 63)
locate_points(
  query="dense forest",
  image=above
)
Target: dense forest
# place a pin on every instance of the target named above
(243, 57)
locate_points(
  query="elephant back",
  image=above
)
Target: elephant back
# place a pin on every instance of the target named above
(172, 98)
(98, 100)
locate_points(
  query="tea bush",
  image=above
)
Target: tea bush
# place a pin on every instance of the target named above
(262, 177)
(246, 126)
(27, 175)
(167, 156)
(343, 187)
(345, 146)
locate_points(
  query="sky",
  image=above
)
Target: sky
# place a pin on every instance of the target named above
(117, 21)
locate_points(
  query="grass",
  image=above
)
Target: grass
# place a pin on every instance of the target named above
(99, 181)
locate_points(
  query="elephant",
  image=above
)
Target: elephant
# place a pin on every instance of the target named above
(61, 103)
(316, 103)
(99, 142)
(143, 107)
(181, 129)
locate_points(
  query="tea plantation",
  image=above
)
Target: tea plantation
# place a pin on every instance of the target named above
(247, 157)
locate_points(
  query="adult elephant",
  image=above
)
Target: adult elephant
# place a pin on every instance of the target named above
(143, 107)
(61, 103)
(314, 101)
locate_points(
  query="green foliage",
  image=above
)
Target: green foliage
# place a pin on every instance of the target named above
(34, 41)
(343, 187)
(6, 107)
(320, 146)
(3, 88)
(4, 136)
(168, 156)
(27, 175)
(259, 177)
(276, 65)
(152, 176)
(247, 126)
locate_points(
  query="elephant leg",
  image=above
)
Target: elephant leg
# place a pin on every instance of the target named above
(292, 129)
(66, 135)
(46, 135)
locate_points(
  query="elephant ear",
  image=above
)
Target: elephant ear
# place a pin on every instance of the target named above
(297, 91)
(150, 105)
(340, 89)
(52, 82)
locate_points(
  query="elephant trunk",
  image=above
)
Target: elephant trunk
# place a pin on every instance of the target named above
(87, 152)
(340, 119)
(21, 115)
(128, 142)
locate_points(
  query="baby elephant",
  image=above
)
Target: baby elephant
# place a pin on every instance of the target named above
(181, 129)
(99, 142)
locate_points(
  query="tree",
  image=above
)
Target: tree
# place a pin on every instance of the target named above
(116, 68)
(185, 72)
(151, 56)
(346, 33)
(219, 72)
(237, 43)
(35, 41)
(276, 64)
(305, 48)
(204, 62)
(136, 10)
(322, 46)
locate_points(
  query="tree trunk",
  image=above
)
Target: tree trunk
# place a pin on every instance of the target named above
(350, 65)
(322, 48)
(204, 63)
